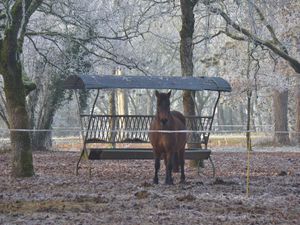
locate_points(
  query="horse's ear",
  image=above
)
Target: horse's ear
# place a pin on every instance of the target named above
(156, 93)
(169, 94)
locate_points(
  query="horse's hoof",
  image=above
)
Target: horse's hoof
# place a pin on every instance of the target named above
(169, 182)
(182, 181)
(176, 170)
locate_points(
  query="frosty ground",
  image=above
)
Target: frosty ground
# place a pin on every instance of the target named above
(121, 192)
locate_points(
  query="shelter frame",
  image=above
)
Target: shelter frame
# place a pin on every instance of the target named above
(131, 128)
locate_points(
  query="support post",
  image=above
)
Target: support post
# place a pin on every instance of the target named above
(84, 150)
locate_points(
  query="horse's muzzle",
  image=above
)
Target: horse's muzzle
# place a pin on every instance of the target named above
(163, 121)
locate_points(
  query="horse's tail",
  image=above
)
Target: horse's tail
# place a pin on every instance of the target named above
(176, 163)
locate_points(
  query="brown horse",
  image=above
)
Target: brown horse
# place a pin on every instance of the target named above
(169, 145)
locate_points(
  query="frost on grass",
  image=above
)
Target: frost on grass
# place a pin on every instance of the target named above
(121, 192)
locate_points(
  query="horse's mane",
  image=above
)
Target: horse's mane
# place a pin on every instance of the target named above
(179, 116)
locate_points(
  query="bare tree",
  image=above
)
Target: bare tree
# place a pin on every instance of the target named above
(59, 20)
(16, 15)
(186, 51)
(274, 45)
(297, 129)
(238, 31)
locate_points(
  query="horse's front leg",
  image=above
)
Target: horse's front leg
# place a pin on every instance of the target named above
(169, 167)
(176, 163)
(157, 167)
(181, 163)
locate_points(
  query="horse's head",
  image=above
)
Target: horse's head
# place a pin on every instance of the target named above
(163, 107)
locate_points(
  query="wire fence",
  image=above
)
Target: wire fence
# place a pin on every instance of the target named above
(71, 138)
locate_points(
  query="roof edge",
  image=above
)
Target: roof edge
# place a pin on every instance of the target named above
(93, 81)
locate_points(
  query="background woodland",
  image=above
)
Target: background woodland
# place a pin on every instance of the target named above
(255, 45)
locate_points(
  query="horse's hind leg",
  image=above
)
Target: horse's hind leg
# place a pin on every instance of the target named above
(157, 167)
(181, 162)
(169, 167)
(175, 163)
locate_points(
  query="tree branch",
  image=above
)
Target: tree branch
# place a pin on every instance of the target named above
(294, 63)
(208, 37)
(43, 55)
(270, 28)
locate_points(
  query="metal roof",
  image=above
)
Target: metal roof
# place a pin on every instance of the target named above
(146, 82)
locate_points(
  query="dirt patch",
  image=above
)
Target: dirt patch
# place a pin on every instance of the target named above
(121, 192)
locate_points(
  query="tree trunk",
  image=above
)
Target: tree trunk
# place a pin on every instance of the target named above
(42, 141)
(22, 165)
(50, 97)
(11, 44)
(259, 118)
(249, 115)
(221, 117)
(186, 58)
(150, 100)
(297, 100)
(242, 114)
(280, 108)
(230, 116)
(122, 100)
(186, 51)
(3, 110)
(112, 112)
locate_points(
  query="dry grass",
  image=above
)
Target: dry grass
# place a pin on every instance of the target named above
(121, 192)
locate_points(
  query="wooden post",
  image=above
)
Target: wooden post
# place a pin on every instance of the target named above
(122, 107)
(121, 97)
(112, 112)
